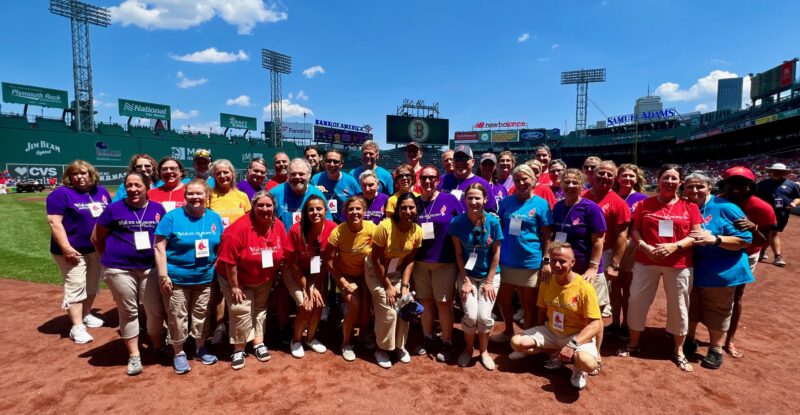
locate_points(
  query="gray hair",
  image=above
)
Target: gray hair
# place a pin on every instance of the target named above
(370, 144)
(699, 177)
(301, 161)
(223, 163)
(365, 174)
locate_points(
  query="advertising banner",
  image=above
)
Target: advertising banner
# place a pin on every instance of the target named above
(129, 108)
(237, 121)
(536, 135)
(297, 130)
(34, 95)
(426, 131)
(338, 136)
(34, 171)
(505, 136)
(465, 137)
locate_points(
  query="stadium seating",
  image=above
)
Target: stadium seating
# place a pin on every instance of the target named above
(50, 124)
(142, 132)
(14, 121)
(111, 129)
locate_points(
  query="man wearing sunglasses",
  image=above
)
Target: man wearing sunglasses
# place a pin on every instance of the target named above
(414, 156)
(589, 165)
(336, 185)
(456, 183)
(369, 161)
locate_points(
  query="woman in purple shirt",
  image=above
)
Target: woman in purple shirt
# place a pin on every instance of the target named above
(435, 270)
(376, 200)
(72, 211)
(124, 239)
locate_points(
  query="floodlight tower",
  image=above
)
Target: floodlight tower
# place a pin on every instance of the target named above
(277, 64)
(582, 78)
(81, 15)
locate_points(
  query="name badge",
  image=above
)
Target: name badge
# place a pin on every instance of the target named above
(95, 208)
(665, 229)
(778, 202)
(473, 258)
(393, 265)
(457, 193)
(168, 206)
(201, 248)
(226, 221)
(427, 230)
(561, 237)
(142, 240)
(515, 226)
(295, 217)
(316, 264)
(558, 321)
(333, 206)
(266, 258)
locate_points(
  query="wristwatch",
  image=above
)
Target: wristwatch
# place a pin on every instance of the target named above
(545, 261)
(404, 285)
(573, 344)
(717, 241)
(615, 267)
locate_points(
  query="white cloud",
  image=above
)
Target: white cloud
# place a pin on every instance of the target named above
(202, 127)
(523, 37)
(211, 55)
(543, 59)
(555, 46)
(704, 87)
(288, 109)
(301, 95)
(701, 107)
(177, 114)
(241, 100)
(314, 71)
(183, 14)
(185, 83)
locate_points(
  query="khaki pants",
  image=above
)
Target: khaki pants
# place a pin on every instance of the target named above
(82, 280)
(246, 319)
(187, 311)
(130, 287)
(677, 287)
(391, 331)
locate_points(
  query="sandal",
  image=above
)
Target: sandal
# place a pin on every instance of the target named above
(733, 351)
(628, 351)
(597, 369)
(682, 363)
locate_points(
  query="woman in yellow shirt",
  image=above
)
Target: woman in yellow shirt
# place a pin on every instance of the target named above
(404, 177)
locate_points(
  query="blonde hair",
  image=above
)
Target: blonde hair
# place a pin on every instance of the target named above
(74, 167)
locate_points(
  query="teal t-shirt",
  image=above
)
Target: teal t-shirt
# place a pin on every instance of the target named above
(713, 265)
(478, 240)
(338, 190)
(288, 205)
(385, 180)
(524, 250)
(181, 232)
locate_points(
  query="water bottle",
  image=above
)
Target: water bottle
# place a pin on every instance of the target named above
(405, 300)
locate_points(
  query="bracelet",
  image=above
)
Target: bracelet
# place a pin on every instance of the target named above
(615, 267)
(404, 285)
(593, 262)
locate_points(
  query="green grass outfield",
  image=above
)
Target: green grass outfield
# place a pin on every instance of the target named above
(25, 239)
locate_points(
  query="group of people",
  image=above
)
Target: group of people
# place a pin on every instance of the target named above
(570, 246)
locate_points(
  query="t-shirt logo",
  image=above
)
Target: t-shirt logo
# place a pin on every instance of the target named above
(707, 219)
(104, 199)
(576, 221)
(558, 320)
(201, 245)
(532, 213)
(488, 240)
(213, 228)
(158, 217)
(574, 302)
(346, 191)
(443, 209)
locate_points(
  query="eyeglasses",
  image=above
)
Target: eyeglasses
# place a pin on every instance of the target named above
(431, 178)
(332, 161)
(170, 168)
(556, 170)
(143, 166)
(405, 175)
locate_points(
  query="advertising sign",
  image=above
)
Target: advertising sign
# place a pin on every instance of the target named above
(297, 130)
(464, 137)
(34, 95)
(237, 121)
(773, 81)
(129, 108)
(34, 171)
(429, 131)
(339, 136)
(343, 126)
(537, 135)
(502, 124)
(646, 116)
(485, 136)
(505, 136)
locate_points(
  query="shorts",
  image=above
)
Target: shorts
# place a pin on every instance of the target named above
(82, 280)
(434, 280)
(294, 289)
(520, 277)
(547, 340)
(712, 306)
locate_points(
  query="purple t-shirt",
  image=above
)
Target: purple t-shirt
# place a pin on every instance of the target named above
(440, 211)
(248, 188)
(579, 222)
(76, 209)
(498, 192)
(558, 192)
(450, 183)
(509, 182)
(123, 222)
(375, 211)
(634, 197)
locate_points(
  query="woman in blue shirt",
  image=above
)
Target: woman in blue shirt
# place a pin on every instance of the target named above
(476, 239)
(186, 246)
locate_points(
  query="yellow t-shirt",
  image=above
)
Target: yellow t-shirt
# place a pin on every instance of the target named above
(391, 204)
(569, 307)
(352, 247)
(231, 206)
(398, 244)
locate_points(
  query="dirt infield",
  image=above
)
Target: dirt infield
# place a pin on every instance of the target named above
(43, 371)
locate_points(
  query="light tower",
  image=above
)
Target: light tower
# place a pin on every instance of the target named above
(81, 15)
(582, 79)
(276, 63)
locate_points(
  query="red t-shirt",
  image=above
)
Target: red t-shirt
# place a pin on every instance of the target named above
(241, 246)
(545, 179)
(616, 212)
(545, 192)
(304, 252)
(760, 213)
(272, 183)
(161, 195)
(646, 216)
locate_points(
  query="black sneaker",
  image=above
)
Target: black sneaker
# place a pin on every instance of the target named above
(237, 360)
(425, 347)
(713, 359)
(445, 352)
(624, 333)
(689, 346)
(262, 353)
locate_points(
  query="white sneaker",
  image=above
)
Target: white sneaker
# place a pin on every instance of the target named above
(348, 354)
(383, 359)
(515, 355)
(297, 350)
(578, 378)
(79, 335)
(219, 335)
(403, 355)
(607, 312)
(316, 346)
(92, 322)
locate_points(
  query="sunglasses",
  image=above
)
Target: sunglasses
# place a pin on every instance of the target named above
(431, 178)
(405, 175)
(332, 161)
(461, 158)
(589, 167)
(143, 166)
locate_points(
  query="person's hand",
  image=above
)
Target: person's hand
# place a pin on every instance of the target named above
(316, 297)
(745, 224)
(590, 275)
(71, 255)
(466, 289)
(488, 290)
(322, 188)
(403, 291)
(391, 295)
(350, 288)
(702, 237)
(662, 251)
(544, 273)
(649, 251)
(237, 296)
(611, 273)
(165, 285)
(566, 354)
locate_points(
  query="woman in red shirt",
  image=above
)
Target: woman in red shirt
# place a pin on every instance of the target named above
(250, 255)
(306, 275)
(661, 227)
(170, 195)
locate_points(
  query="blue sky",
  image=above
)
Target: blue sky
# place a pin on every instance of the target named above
(482, 61)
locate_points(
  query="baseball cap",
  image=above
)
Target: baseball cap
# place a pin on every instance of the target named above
(740, 171)
(413, 144)
(463, 148)
(202, 153)
(488, 156)
(778, 166)
(411, 311)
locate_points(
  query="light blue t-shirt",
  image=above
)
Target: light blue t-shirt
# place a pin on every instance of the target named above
(339, 190)
(713, 265)
(385, 180)
(288, 205)
(478, 240)
(524, 250)
(181, 232)
(122, 193)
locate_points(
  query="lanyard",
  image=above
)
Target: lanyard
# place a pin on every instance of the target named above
(140, 219)
(429, 211)
(569, 212)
